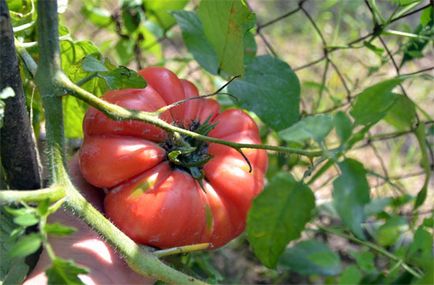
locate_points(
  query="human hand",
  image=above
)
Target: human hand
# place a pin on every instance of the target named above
(84, 246)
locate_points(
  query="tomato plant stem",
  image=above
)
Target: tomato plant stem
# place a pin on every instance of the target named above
(139, 258)
(116, 112)
(181, 249)
(53, 194)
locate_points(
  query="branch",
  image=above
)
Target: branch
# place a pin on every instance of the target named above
(116, 112)
(53, 194)
(181, 249)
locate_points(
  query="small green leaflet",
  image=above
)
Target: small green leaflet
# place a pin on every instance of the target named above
(373, 103)
(351, 275)
(270, 89)
(311, 257)
(315, 127)
(351, 194)
(59, 229)
(26, 245)
(278, 215)
(225, 23)
(65, 272)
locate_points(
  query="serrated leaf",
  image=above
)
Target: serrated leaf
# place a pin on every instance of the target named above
(196, 41)
(65, 272)
(315, 127)
(278, 215)
(343, 125)
(59, 229)
(311, 257)
(26, 245)
(122, 78)
(373, 103)
(351, 194)
(225, 23)
(270, 89)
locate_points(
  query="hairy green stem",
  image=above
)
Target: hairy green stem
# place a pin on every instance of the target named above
(118, 113)
(53, 194)
(48, 39)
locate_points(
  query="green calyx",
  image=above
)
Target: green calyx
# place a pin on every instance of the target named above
(187, 153)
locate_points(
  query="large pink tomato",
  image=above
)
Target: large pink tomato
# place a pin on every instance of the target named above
(164, 189)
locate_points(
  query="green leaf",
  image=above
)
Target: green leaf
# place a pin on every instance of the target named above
(344, 126)
(351, 275)
(122, 78)
(425, 163)
(26, 220)
(74, 111)
(250, 48)
(278, 215)
(315, 127)
(402, 114)
(26, 245)
(350, 194)
(196, 41)
(12, 270)
(125, 50)
(74, 54)
(426, 16)
(388, 233)
(59, 229)
(132, 14)
(270, 89)
(159, 11)
(311, 257)
(225, 23)
(413, 49)
(365, 260)
(373, 103)
(65, 272)
(92, 64)
(97, 15)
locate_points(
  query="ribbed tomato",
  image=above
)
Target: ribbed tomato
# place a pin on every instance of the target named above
(164, 189)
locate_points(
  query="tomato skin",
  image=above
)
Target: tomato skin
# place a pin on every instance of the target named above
(151, 200)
